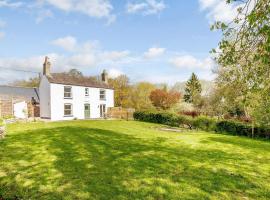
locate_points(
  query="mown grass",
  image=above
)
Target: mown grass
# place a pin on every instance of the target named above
(129, 160)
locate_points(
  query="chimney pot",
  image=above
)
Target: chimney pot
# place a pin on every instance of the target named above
(104, 76)
(47, 67)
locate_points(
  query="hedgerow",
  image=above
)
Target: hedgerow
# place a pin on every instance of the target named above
(203, 123)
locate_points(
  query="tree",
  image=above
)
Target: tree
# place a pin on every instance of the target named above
(193, 90)
(162, 99)
(140, 96)
(244, 57)
(31, 82)
(75, 73)
(122, 90)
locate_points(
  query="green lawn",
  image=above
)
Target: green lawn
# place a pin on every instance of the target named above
(129, 160)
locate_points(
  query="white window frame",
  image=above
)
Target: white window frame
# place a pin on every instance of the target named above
(70, 93)
(86, 92)
(71, 109)
(102, 96)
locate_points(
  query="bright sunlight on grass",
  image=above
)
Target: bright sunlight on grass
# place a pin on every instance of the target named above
(129, 160)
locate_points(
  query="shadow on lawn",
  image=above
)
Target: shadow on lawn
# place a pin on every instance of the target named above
(85, 163)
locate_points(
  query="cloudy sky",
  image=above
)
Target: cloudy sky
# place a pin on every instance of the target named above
(151, 40)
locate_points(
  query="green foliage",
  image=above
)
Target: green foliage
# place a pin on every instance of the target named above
(122, 91)
(170, 119)
(1, 122)
(203, 123)
(244, 59)
(193, 90)
(242, 129)
(139, 96)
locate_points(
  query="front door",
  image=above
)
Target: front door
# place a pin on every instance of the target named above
(87, 111)
(102, 108)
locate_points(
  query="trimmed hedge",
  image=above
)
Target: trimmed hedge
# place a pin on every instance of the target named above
(203, 123)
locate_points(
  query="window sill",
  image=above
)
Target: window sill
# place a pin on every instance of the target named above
(68, 115)
(68, 98)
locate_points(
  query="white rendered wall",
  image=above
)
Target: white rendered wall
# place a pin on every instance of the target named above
(44, 95)
(78, 100)
(20, 110)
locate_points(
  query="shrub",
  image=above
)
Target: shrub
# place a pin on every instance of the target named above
(203, 123)
(241, 129)
(160, 118)
(1, 122)
(191, 113)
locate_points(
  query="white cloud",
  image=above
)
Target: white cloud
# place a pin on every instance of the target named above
(9, 4)
(2, 34)
(43, 14)
(190, 62)
(68, 43)
(114, 73)
(146, 7)
(219, 10)
(154, 52)
(92, 8)
(81, 56)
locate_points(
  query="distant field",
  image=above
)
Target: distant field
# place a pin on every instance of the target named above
(129, 160)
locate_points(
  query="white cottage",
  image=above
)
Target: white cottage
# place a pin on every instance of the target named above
(66, 97)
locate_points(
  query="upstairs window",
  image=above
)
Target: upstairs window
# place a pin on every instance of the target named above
(67, 92)
(67, 110)
(102, 94)
(86, 92)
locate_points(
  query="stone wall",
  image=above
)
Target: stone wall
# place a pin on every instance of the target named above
(6, 106)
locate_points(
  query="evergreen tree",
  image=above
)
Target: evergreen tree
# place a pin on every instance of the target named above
(193, 89)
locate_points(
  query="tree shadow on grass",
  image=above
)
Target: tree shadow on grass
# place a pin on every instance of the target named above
(86, 163)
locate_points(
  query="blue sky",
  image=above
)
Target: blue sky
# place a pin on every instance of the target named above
(149, 40)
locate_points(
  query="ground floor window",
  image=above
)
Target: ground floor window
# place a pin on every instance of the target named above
(68, 109)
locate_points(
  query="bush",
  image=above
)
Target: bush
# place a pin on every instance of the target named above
(170, 119)
(203, 123)
(242, 129)
(191, 113)
(1, 122)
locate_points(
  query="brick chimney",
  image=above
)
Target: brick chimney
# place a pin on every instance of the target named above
(47, 67)
(104, 76)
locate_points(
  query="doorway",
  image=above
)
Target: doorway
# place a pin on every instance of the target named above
(87, 111)
(102, 108)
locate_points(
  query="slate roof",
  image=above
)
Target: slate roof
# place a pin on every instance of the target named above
(66, 79)
(26, 93)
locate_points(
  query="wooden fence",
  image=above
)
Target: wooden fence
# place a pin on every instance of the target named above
(121, 113)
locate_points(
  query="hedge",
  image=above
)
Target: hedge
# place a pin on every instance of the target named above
(203, 123)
